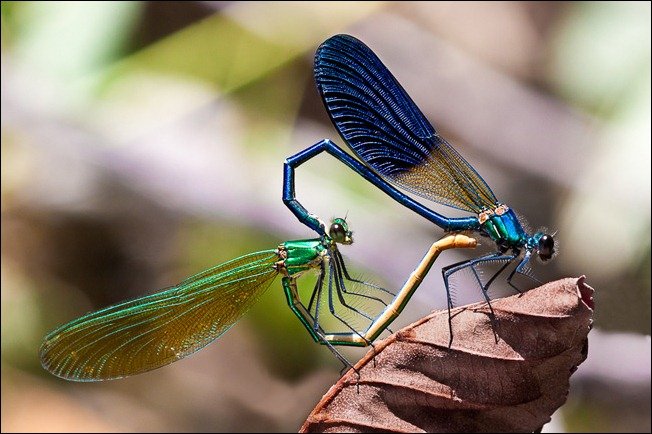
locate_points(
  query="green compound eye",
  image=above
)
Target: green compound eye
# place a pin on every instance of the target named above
(339, 231)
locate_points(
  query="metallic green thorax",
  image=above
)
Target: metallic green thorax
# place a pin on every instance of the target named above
(505, 229)
(299, 256)
(295, 258)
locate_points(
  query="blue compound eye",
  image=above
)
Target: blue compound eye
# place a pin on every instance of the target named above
(546, 247)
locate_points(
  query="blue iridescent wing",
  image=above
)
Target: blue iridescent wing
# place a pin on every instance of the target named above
(387, 131)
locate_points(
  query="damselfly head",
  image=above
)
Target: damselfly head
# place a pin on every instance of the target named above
(339, 231)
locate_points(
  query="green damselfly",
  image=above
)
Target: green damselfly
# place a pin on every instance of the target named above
(155, 330)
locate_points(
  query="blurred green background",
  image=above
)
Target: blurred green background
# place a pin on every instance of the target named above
(143, 142)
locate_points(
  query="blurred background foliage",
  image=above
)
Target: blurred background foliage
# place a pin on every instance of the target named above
(143, 142)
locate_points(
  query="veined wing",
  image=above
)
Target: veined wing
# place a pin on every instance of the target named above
(152, 331)
(387, 131)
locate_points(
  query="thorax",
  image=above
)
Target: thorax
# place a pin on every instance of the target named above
(296, 257)
(503, 227)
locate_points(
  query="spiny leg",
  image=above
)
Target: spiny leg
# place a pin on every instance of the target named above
(508, 259)
(340, 259)
(485, 287)
(341, 290)
(341, 264)
(519, 269)
(339, 284)
(320, 279)
(318, 288)
(492, 315)
(312, 325)
(454, 268)
(341, 269)
(338, 355)
(446, 273)
(333, 276)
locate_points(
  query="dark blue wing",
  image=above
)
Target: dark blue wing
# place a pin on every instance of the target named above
(388, 132)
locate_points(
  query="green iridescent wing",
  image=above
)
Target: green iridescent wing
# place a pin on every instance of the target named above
(152, 331)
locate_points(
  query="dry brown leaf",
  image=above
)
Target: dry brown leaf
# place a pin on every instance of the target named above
(419, 384)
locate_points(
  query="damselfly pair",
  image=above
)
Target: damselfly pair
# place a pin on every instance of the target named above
(396, 146)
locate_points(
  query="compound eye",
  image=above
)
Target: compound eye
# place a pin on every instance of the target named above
(337, 232)
(546, 247)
